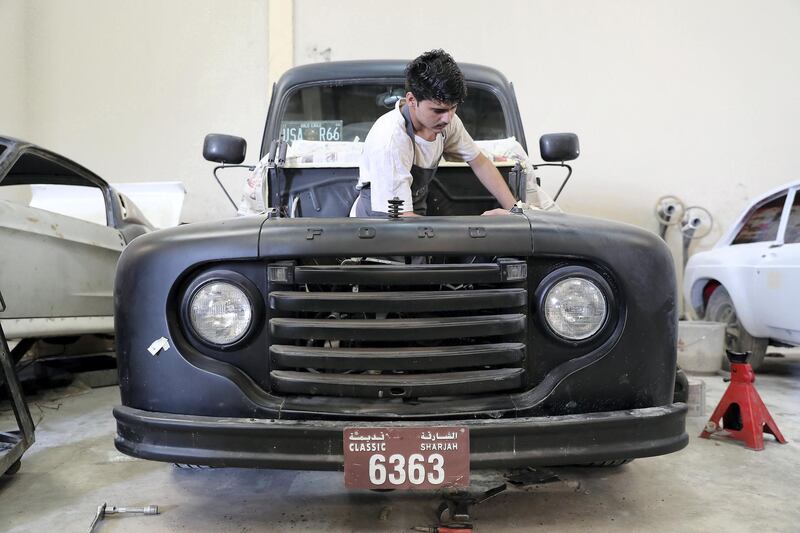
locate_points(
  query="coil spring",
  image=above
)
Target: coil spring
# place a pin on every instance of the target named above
(394, 207)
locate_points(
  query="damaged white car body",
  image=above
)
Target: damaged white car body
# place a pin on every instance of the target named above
(57, 271)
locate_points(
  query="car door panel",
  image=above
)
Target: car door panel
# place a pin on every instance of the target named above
(778, 283)
(54, 265)
(778, 278)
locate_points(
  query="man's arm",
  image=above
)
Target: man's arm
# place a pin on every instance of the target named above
(492, 180)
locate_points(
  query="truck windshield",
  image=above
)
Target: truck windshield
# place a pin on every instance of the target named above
(347, 112)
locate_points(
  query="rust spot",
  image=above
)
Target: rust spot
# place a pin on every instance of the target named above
(32, 219)
(54, 227)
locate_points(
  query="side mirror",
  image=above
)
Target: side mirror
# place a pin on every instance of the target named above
(225, 149)
(559, 147)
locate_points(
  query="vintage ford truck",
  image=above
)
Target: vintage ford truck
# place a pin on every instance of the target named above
(404, 351)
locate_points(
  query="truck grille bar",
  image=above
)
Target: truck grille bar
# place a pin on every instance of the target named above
(397, 331)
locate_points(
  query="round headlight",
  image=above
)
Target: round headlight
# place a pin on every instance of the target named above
(220, 312)
(575, 308)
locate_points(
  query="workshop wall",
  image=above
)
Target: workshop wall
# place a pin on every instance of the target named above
(13, 97)
(129, 89)
(696, 99)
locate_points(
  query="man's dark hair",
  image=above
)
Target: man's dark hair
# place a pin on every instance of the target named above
(435, 76)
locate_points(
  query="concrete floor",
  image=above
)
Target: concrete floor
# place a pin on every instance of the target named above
(710, 485)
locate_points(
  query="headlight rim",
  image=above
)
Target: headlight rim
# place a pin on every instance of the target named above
(576, 271)
(233, 278)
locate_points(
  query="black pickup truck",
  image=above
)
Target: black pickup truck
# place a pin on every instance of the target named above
(404, 351)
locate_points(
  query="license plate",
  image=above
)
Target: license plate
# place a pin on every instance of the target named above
(320, 130)
(406, 457)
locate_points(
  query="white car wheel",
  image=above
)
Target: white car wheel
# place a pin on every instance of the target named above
(720, 309)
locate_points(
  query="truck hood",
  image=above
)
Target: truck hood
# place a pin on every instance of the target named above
(467, 235)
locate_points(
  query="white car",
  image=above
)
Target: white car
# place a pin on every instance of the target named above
(57, 270)
(751, 278)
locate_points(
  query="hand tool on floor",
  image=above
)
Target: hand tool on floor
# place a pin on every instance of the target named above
(455, 507)
(453, 513)
(106, 509)
(443, 529)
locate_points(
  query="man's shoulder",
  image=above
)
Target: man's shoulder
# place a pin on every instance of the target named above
(455, 125)
(388, 125)
(389, 121)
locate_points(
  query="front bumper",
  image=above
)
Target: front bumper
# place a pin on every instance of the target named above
(317, 444)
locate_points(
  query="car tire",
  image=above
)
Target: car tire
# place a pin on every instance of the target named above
(720, 309)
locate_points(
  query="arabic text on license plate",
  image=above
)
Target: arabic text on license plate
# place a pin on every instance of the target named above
(406, 457)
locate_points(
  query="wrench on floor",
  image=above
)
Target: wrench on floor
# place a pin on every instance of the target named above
(106, 509)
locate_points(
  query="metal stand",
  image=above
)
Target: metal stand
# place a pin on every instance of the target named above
(741, 413)
(13, 443)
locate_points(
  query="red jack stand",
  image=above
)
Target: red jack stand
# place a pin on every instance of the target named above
(741, 414)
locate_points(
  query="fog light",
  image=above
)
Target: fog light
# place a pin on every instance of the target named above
(575, 308)
(220, 313)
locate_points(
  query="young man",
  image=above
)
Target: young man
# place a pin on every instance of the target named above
(404, 146)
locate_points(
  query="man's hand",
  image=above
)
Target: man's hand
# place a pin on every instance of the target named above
(498, 211)
(409, 214)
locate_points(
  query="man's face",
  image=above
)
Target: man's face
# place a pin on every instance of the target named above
(432, 114)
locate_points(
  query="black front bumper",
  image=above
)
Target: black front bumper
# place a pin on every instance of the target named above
(317, 444)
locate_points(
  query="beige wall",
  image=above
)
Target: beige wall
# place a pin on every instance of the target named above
(696, 99)
(13, 83)
(129, 89)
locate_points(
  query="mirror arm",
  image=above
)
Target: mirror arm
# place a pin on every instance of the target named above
(564, 183)
(221, 186)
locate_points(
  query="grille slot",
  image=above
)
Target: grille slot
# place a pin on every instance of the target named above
(398, 274)
(397, 331)
(394, 386)
(435, 358)
(410, 301)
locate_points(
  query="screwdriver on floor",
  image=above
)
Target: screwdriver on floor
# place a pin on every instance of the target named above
(106, 509)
